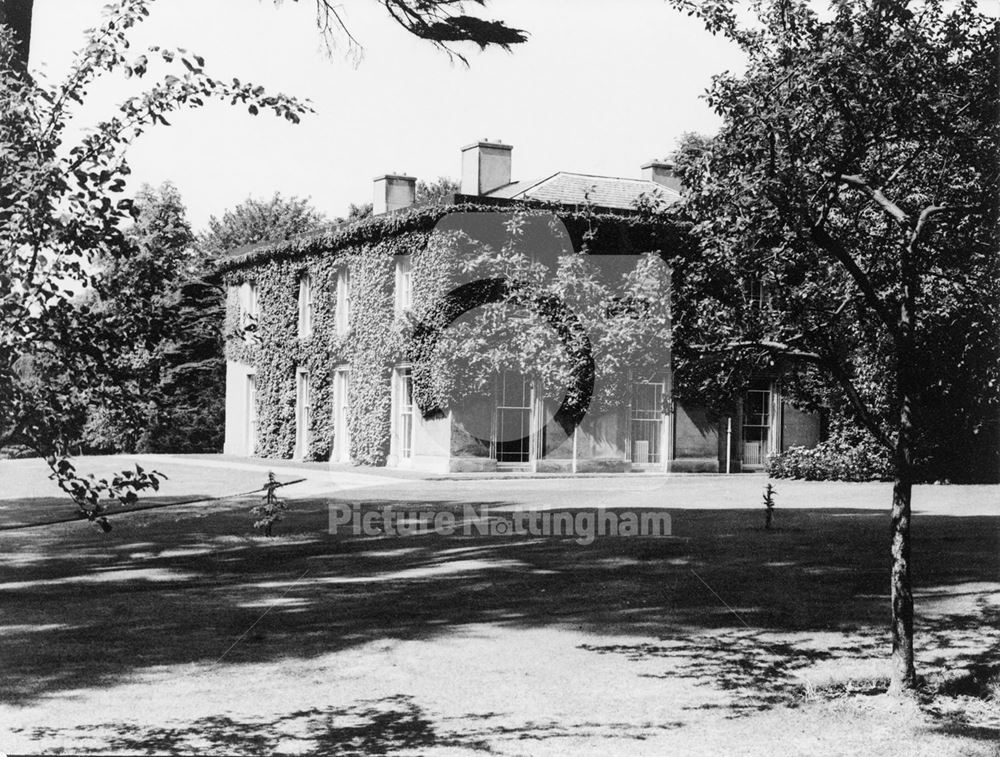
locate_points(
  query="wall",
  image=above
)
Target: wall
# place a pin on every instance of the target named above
(696, 440)
(377, 337)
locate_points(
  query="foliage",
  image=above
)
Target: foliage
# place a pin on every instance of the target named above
(769, 492)
(441, 22)
(62, 210)
(356, 213)
(835, 459)
(378, 337)
(436, 192)
(848, 219)
(832, 118)
(89, 493)
(270, 510)
(139, 293)
(255, 221)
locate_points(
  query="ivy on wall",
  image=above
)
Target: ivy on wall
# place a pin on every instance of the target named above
(377, 338)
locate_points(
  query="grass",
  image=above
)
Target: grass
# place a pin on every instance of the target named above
(183, 631)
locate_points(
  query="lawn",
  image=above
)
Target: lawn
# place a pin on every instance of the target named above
(182, 631)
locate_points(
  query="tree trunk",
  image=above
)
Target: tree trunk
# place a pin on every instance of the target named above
(904, 675)
(17, 15)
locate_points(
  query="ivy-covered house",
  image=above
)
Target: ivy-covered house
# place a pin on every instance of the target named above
(524, 326)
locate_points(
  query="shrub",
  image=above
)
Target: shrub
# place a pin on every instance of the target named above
(833, 460)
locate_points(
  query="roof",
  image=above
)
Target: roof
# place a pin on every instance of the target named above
(580, 189)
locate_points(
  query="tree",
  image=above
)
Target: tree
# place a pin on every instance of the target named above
(442, 22)
(438, 191)
(16, 15)
(62, 211)
(168, 350)
(855, 179)
(260, 220)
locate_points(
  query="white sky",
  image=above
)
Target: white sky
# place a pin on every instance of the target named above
(599, 88)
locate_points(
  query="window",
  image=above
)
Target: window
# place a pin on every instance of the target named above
(404, 413)
(756, 293)
(756, 430)
(248, 309)
(513, 419)
(341, 408)
(343, 301)
(305, 306)
(646, 422)
(251, 414)
(303, 414)
(404, 283)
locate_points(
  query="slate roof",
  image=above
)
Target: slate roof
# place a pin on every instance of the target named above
(579, 188)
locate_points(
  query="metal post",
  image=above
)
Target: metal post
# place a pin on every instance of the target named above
(729, 444)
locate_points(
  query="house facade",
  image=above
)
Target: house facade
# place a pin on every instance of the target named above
(320, 333)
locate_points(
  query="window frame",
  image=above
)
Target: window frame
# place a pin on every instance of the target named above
(342, 307)
(303, 412)
(306, 307)
(404, 283)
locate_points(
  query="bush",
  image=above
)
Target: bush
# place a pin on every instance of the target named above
(833, 460)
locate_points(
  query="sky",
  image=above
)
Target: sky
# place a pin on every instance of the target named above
(599, 88)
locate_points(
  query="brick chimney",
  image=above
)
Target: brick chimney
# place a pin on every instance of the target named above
(662, 172)
(485, 167)
(393, 192)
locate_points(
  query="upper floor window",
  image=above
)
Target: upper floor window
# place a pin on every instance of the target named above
(343, 300)
(404, 283)
(248, 309)
(305, 306)
(756, 293)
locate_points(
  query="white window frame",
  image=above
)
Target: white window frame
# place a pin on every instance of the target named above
(247, 307)
(303, 413)
(403, 408)
(305, 306)
(343, 305)
(404, 283)
(251, 416)
(656, 415)
(341, 414)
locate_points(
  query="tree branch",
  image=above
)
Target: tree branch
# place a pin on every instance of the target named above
(823, 238)
(876, 195)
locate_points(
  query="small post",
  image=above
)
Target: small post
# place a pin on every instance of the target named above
(729, 444)
(574, 448)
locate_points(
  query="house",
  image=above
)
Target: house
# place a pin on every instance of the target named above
(320, 358)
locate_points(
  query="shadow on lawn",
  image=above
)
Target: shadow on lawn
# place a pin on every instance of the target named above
(369, 728)
(731, 605)
(372, 727)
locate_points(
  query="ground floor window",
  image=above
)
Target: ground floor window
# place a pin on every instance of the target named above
(404, 413)
(341, 417)
(251, 414)
(646, 422)
(513, 418)
(303, 419)
(756, 423)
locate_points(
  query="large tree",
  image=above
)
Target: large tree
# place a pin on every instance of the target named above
(260, 220)
(168, 352)
(847, 214)
(62, 211)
